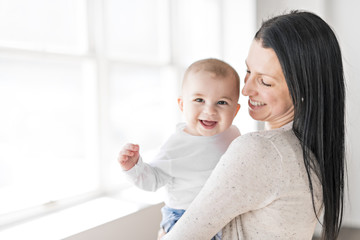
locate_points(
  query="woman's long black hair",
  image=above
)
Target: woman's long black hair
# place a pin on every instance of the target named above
(311, 61)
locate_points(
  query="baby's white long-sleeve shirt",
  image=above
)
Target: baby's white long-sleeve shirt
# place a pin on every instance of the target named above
(183, 165)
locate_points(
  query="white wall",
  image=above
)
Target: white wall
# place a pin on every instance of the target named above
(269, 8)
(343, 17)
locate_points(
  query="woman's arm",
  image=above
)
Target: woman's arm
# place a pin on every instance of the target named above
(245, 179)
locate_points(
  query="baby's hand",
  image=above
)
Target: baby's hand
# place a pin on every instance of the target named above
(129, 156)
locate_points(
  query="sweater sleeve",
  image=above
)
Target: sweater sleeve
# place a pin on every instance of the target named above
(245, 179)
(147, 177)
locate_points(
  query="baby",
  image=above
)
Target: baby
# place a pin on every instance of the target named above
(209, 102)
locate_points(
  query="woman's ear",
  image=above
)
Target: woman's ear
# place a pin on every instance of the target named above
(180, 103)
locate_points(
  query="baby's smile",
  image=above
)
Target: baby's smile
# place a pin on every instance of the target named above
(208, 124)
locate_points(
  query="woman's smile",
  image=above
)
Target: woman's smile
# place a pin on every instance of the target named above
(253, 104)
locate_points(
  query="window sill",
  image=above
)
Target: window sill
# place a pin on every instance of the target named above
(83, 217)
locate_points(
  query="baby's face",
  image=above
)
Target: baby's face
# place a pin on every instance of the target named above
(209, 103)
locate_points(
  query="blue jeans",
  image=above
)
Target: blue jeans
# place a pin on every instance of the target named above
(170, 216)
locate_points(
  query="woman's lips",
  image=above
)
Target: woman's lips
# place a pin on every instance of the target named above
(208, 124)
(254, 104)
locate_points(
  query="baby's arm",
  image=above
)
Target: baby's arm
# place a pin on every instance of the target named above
(129, 156)
(143, 175)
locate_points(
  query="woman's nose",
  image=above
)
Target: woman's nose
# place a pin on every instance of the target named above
(249, 88)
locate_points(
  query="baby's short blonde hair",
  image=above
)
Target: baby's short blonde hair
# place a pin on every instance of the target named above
(213, 65)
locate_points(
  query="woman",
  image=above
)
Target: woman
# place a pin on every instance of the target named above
(275, 184)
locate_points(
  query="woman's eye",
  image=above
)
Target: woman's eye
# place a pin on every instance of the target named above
(264, 83)
(199, 100)
(222, 103)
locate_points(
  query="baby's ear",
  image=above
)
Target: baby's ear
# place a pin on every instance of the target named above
(237, 109)
(180, 103)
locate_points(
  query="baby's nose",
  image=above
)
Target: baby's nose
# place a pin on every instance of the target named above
(210, 110)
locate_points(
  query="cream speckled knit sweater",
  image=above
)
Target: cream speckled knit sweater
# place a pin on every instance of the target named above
(259, 190)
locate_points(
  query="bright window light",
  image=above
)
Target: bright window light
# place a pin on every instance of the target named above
(55, 26)
(139, 31)
(78, 79)
(198, 30)
(44, 132)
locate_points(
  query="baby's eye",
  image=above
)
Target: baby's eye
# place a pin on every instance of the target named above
(199, 100)
(222, 103)
(264, 83)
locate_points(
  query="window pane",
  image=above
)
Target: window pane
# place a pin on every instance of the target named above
(57, 25)
(44, 132)
(137, 30)
(197, 32)
(139, 105)
(143, 109)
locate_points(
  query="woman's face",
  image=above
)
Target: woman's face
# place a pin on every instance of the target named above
(265, 85)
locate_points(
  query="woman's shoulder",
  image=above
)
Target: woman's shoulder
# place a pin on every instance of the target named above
(254, 145)
(267, 135)
(258, 137)
(266, 141)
